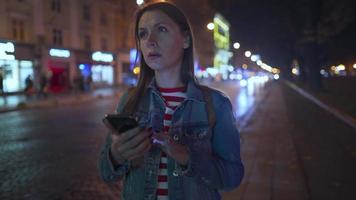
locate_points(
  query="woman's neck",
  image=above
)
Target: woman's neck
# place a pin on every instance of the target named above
(168, 79)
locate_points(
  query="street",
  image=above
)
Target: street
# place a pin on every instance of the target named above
(51, 153)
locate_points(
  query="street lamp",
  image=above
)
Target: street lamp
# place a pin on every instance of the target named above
(139, 2)
(255, 57)
(236, 45)
(247, 53)
(259, 62)
(354, 66)
(210, 26)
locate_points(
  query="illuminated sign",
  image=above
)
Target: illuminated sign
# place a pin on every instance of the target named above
(221, 32)
(103, 57)
(222, 41)
(59, 53)
(5, 49)
(133, 55)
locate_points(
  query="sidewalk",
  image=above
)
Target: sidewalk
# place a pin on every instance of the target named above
(19, 101)
(272, 170)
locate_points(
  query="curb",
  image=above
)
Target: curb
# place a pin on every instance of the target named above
(57, 101)
(349, 120)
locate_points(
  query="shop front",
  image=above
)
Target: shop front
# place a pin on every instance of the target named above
(16, 64)
(94, 69)
(58, 67)
(102, 68)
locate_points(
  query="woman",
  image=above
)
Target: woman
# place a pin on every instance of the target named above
(179, 151)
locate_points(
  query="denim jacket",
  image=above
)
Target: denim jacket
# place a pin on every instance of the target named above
(214, 154)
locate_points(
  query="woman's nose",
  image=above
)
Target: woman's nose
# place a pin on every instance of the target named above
(151, 40)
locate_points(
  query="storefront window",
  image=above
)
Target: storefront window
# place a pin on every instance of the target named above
(26, 68)
(103, 74)
(15, 73)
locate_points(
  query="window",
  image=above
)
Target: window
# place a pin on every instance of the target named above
(57, 37)
(103, 18)
(56, 6)
(87, 42)
(14, 29)
(18, 30)
(22, 31)
(104, 44)
(86, 12)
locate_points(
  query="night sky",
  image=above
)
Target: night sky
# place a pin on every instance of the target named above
(275, 28)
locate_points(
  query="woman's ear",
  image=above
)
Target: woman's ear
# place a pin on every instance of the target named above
(186, 42)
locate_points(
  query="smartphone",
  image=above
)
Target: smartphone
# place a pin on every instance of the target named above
(120, 122)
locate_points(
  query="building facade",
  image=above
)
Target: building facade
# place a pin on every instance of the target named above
(67, 41)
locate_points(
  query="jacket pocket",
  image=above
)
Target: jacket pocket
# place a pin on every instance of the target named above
(196, 135)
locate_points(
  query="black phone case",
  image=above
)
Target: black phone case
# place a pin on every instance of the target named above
(121, 122)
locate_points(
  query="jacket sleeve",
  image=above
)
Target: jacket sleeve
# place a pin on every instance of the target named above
(222, 169)
(109, 172)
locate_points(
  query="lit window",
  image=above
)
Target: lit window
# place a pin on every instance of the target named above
(57, 37)
(14, 29)
(18, 30)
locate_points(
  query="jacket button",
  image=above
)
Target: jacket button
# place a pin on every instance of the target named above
(175, 173)
(175, 137)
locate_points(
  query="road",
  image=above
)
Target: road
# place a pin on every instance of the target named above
(51, 153)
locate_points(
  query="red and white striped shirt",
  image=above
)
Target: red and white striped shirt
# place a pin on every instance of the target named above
(173, 98)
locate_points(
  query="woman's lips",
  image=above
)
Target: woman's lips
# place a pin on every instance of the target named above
(153, 56)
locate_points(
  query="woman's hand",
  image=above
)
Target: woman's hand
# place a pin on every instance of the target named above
(130, 145)
(177, 151)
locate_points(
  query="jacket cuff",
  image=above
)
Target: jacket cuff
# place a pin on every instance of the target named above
(117, 171)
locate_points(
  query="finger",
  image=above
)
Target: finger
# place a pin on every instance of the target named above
(160, 138)
(141, 153)
(127, 135)
(139, 139)
(139, 150)
(133, 142)
(114, 138)
(160, 135)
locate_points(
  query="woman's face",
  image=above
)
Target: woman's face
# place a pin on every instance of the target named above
(161, 41)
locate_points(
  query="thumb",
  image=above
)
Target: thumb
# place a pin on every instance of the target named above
(160, 138)
(115, 137)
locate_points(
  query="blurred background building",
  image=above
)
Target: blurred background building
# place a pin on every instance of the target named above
(81, 40)
(66, 41)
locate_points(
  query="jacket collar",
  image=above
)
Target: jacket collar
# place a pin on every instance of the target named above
(193, 91)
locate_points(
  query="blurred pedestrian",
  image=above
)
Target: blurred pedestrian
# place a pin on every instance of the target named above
(1, 83)
(78, 83)
(88, 81)
(186, 145)
(43, 90)
(29, 88)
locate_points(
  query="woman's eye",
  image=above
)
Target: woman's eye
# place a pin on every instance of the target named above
(162, 29)
(142, 34)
